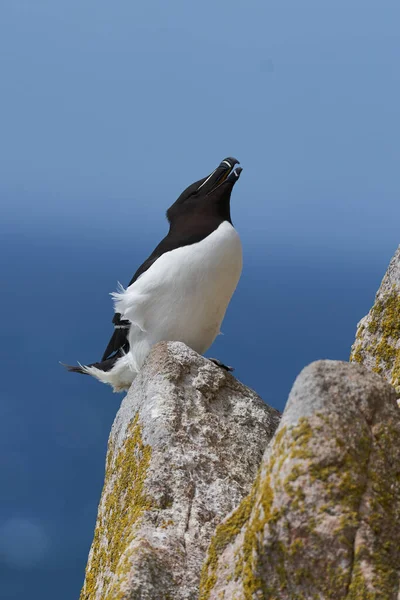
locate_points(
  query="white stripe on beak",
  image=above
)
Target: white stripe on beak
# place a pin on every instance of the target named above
(208, 178)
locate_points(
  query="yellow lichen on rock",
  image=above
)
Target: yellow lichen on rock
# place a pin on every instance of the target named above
(123, 501)
(225, 534)
(377, 343)
(173, 474)
(323, 519)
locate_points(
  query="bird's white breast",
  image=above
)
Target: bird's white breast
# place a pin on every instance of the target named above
(183, 296)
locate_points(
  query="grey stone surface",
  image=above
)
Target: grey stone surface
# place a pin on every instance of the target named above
(183, 452)
(323, 517)
(377, 343)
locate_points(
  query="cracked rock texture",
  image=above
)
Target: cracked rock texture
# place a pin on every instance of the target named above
(183, 452)
(323, 518)
(377, 343)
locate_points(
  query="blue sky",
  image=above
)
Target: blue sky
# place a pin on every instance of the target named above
(108, 111)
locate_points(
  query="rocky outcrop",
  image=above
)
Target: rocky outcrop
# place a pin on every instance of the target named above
(377, 344)
(323, 517)
(188, 513)
(183, 452)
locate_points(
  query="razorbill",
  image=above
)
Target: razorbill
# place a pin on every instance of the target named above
(182, 290)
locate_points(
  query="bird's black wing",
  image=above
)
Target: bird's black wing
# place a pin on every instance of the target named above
(119, 339)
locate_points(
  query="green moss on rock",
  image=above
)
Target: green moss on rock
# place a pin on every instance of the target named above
(382, 521)
(271, 562)
(383, 331)
(123, 502)
(358, 589)
(225, 534)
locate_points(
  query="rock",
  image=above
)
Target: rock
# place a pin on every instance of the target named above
(377, 344)
(183, 451)
(323, 517)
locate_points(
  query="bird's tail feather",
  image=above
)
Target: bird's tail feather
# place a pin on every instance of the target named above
(105, 365)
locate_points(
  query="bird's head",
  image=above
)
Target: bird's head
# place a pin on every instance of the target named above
(210, 195)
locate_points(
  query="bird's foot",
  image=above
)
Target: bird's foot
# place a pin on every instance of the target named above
(221, 365)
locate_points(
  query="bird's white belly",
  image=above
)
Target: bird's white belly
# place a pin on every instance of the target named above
(183, 296)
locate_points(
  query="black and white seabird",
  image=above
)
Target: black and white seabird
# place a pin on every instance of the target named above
(182, 290)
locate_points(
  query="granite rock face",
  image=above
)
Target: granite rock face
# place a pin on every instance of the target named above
(377, 344)
(183, 452)
(323, 517)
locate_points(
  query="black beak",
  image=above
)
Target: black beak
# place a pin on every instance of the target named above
(225, 172)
